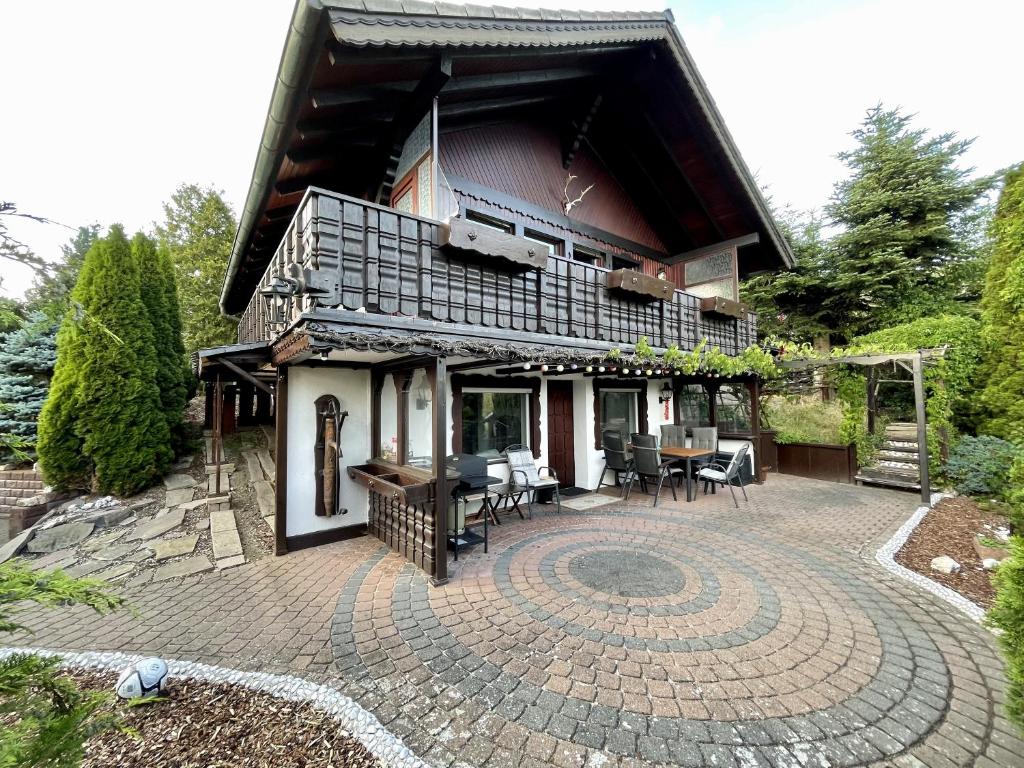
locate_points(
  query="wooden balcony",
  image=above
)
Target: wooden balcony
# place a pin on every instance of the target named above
(344, 253)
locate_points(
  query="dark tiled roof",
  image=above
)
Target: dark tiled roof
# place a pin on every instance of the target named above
(411, 22)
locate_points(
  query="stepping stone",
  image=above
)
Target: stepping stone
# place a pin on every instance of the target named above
(13, 547)
(63, 563)
(218, 503)
(225, 486)
(186, 567)
(114, 573)
(86, 568)
(265, 497)
(168, 548)
(226, 543)
(137, 557)
(266, 462)
(51, 560)
(209, 450)
(188, 506)
(272, 522)
(184, 463)
(211, 469)
(101, 540)
(115, 551)
(252, 465)
(230, 562)
(203, 525)
(223, 520)
(108, 518)
(174, 482)
(158, 526)
(60, 537)
(179, 496)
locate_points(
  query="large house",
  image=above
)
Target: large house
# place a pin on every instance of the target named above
(459, 219)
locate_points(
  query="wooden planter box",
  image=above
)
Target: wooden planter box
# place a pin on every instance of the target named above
(638, 286)
(392, 482)
(475, 242)
(717, 306)
(835, 463)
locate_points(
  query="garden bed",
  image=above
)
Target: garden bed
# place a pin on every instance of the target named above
(208, 724)
(950, 529)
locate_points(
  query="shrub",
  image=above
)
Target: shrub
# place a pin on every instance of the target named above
(1015, 494)
(980, 466)
(1007, 614)
(27, 356)
(803, 419)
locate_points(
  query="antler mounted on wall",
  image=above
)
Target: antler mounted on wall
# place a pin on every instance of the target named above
(568, 204)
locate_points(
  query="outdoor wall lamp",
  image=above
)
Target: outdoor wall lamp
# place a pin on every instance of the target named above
(666, 393)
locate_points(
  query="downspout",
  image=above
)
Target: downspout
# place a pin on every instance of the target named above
(302, 43)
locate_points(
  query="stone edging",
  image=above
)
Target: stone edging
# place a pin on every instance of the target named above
(351, 717)
(886, 554)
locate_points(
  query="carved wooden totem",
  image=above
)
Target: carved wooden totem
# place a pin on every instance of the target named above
(327, 454)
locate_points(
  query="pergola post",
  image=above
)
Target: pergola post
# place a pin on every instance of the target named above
(440, 427)
(922, 427)
(872, 398)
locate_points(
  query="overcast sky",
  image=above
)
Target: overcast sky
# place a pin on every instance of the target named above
(108, 106)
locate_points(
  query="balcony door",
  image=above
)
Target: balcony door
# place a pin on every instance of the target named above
(561, 454)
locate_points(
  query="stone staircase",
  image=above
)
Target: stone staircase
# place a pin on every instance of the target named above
(897, 464)
(15, 485)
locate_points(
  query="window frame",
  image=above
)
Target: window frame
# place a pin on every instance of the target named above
(461, 382)
(491, 222)
(525, 416)
(556, 245)
(639, 387)
(631, 262)
(591, 256)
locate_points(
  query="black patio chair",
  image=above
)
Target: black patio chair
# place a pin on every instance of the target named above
(717, 474)
(615, 458)
(648, 466)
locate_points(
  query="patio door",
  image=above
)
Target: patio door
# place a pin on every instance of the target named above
(561, 456)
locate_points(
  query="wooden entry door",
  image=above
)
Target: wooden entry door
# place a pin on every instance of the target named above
(561, 456)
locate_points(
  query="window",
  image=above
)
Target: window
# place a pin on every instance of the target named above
(490, 222)
(623, 262)
(694, 406)
(712, 275)
(493, 421)
(420, 433)
(554, 246)
(412, 193)
(587, 255)
(388, 448)
(733, 409)
(618, 410)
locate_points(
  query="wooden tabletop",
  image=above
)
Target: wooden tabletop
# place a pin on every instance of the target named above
(683, 453)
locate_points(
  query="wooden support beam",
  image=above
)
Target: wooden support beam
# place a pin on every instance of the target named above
(329, 149)
(418, 104)
(440, 450)
(323, 98)
(244, 374)
(462, 108)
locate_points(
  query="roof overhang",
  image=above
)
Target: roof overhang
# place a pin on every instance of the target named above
(335, 39)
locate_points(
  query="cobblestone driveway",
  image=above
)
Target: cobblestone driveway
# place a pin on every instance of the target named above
(691, 634)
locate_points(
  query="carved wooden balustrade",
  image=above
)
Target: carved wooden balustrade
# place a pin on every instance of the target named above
(340, 252)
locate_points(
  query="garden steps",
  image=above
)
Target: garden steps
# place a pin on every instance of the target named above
(898, 462)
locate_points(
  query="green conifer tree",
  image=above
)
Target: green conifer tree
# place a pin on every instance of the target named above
(27, 357)
(105, 401)
(1003, 314)
(159, 296)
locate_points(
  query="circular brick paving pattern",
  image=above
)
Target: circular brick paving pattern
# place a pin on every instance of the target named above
(636, 634)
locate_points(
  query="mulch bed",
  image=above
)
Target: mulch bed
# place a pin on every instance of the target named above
(215, 726)
(949, 529)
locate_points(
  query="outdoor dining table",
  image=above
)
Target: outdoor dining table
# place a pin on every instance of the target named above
(687, 454)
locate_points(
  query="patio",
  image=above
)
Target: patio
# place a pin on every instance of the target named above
(691, 634)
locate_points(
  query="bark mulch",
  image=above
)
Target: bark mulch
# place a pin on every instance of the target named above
(949, 529)
(205, 725)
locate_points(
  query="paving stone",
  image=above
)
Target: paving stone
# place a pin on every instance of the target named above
(109, 517)
(164, 549)
(188, 506)
(115, 551)
(203, 525)
(99, 541)
(252, 466)
(186, 567)
(185, 462)
(230, 562)
(222, 520)
(211, 486)
(140, 579)
(226, 543)
(86, 568)
(265, 497)
(140, 555)
(179, 496)
(177, 481)
(158, 526)
(59, 537)
(266, 462)
(227, 468)
(114, 572)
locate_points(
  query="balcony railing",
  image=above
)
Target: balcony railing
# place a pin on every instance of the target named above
(340, 252)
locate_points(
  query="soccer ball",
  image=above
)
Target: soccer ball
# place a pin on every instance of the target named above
(144, 679)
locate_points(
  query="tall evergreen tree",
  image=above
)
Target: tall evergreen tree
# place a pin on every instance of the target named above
(27, 357)
(198, 232)
(105, 400)
(161, 301)
(900, 213)
(1003, 314)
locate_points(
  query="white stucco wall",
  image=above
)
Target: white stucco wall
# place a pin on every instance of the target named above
(352, 388)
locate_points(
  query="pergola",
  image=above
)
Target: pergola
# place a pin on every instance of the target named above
(914, 363)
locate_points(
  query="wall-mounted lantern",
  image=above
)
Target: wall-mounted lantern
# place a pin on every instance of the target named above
(666, 393)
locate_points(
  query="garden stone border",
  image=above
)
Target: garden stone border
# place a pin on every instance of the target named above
(886, 558)
(351, 717)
